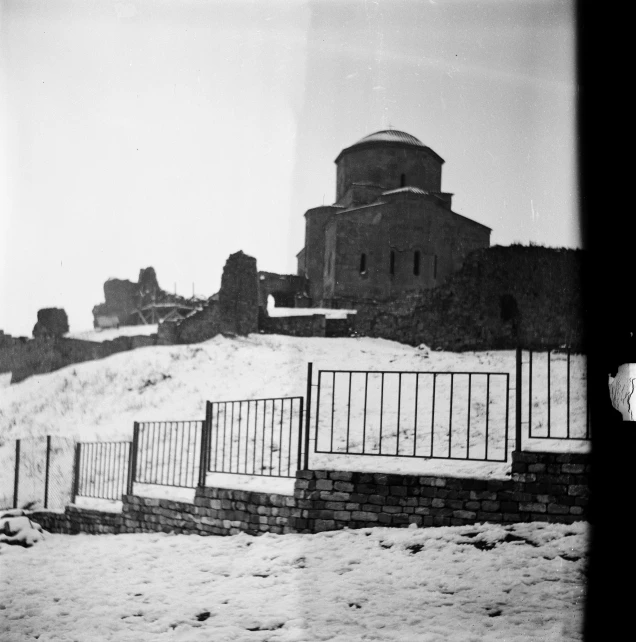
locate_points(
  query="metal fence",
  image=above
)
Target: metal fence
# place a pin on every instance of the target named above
(167, 453)
(101, 469)
(254, 436)
(552, 394)
(435, 415)
(42, 472)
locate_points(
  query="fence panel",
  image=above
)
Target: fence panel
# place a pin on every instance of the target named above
(168, 453)
(554, 395)
(255, 436)
(102, 469)
(436, 415)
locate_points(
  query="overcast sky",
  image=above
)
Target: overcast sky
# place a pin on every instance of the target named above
(171, 134)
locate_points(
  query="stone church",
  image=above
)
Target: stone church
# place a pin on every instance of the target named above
(391, 231)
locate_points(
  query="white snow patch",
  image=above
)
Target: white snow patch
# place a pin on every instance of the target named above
(453, 584)
(108, 334)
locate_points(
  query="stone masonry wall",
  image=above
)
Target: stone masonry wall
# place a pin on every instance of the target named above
(500, 296)
(546, 487)
(27, 357)
(296, 326)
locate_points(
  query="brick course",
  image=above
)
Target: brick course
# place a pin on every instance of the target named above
(331, 500)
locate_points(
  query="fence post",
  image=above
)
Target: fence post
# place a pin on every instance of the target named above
(310, 367)
(205, 444)
(47, 470)
(76, 471)
(132, 459)
(16, 477)
(518, 380)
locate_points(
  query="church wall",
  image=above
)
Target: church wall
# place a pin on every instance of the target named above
(383, 165)
(315, 220)
(403, 226)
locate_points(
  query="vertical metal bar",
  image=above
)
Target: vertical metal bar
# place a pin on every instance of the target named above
(300, 433)
(102, 467)
(188, 478)
(305, 465)
(487, 411)
(271, 438)
(417, 391)
(224, 435)
(568, 393)
(255, 437)
(216, 434)
(507, 415)
(231, 437)
(290, 430)
(280, 435)
(333, 402)
(529, 393)
(549, 387)
(433, 413)
(76, 473)
(381, 409)
(205, 427)
(317, 411)
(450, 416)
(247, 437)
(470, 383)
(264, 431)
(397, 442)
(518, 380)
(16, 474)
(47, 471)
(132, 459)
(364, 422)
(348, 411)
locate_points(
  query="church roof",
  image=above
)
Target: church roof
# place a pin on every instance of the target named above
(391, 136)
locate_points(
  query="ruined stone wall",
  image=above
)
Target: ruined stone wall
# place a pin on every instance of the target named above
(501, 296)
(295, 326)
(27, 357)
(235, 312)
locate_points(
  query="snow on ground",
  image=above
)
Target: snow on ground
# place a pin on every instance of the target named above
(452, 584)
(302, 312)
(108, 334)
(100, 400)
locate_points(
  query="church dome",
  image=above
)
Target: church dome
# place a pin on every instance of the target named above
(390, 136)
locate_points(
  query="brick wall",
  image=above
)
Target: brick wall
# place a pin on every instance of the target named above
(544, 487)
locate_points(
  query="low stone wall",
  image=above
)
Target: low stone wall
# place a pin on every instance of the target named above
(545, 487)
(296, 326)
(26, 357)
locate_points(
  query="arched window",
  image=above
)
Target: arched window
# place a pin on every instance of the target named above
(402, 180)
(416, 263)
(392, 263)
(363, 264)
